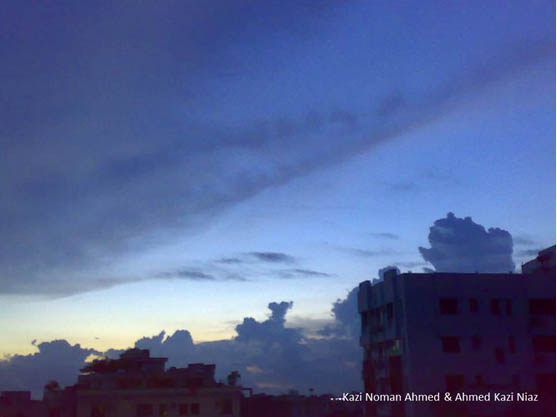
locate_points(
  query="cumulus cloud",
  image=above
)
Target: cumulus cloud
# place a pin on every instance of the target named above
(346, 318)
(460, 245)
(55, 360)
(270, 356)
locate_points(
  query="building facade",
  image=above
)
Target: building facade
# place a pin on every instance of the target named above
(459, 333)
(137, 385)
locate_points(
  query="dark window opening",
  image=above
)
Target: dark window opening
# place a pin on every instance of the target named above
(473, 305)
(450, 344)
(389, 311)
(512, 344)
(226, 407)
(494, 305)
(499, 355)
(544, 344)
(183, 410)
(508, 307)
(479, 380)
(448, 305)
(364, 319)
(516, 380)
(543, 306)
(454, 382)
(144, 410)
(545, 383)
(476, 343)
(97, 411)
(195, 409)
(163, 410)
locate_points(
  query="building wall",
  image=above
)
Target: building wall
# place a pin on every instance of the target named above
(126, 403)
(419, 328)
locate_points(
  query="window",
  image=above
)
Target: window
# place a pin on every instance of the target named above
(97, 411)
(499, 355)
(545, 383)
(495, 307)
(454, 382)
(544, 344)
(448, 305)
(364, 320)
(144, 410)
(543, 306)
(508, 307)
(195, 409)
(479, 379)
(476, 343)
(183, 410)
(226, 407)
(512, 344)
(450, 344)
(163, 410)
(389, 311)
(516, 380)
(473, 305)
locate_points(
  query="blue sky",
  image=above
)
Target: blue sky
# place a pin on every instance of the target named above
(155, 154)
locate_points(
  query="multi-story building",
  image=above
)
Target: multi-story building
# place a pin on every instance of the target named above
(137, 385)
(20, 404)
(460, 333)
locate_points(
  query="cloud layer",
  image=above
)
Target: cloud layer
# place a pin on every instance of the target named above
(126, 125)
(269, 356)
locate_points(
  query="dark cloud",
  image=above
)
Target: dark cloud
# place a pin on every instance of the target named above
(104, 145)
(273, 257)
(300, 273)
(347, 319)
(57, 359)
(460, 245)
(188, 274)
(310, 273)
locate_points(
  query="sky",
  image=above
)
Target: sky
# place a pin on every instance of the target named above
(180, 166)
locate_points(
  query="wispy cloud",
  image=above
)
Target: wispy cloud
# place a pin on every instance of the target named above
(300, 273)
(367, 253)
(272, 257)
(385, 235)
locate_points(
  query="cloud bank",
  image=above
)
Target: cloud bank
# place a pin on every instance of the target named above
(269, 356)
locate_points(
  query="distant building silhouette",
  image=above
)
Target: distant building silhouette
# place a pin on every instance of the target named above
(135, 385)
(20, 404)
(466, 333)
